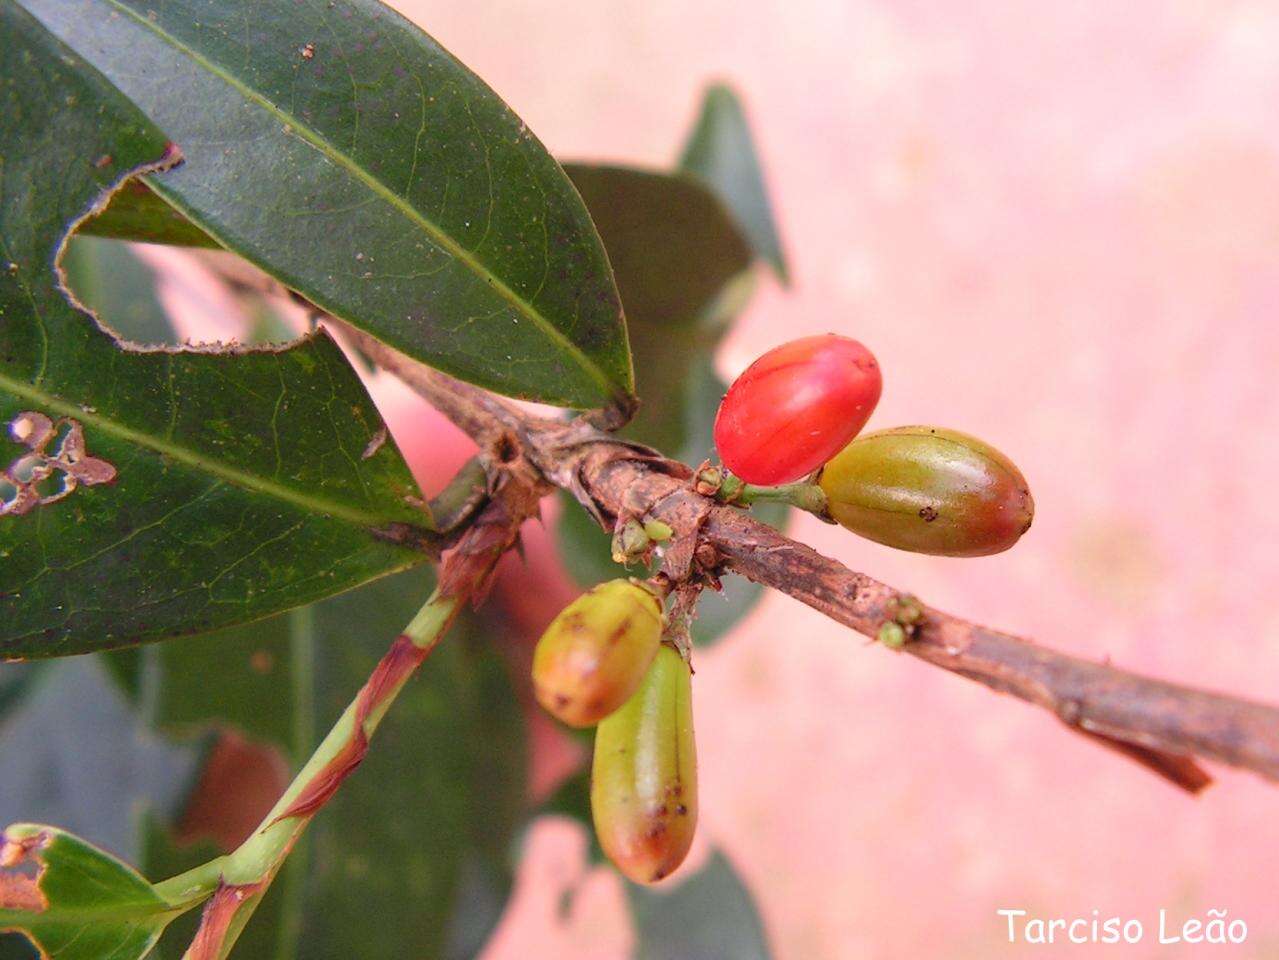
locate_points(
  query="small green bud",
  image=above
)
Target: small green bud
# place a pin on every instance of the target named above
(644, 775)
(593, 656)
(630, 542)
(658, 531)
(928, 490)
(892, 635)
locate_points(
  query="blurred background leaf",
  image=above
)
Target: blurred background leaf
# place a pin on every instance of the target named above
(683, 267)
(112, 281)
(709, 915)
(720, 151)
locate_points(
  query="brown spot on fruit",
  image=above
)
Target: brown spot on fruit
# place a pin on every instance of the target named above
(645, 757)
(594, 654)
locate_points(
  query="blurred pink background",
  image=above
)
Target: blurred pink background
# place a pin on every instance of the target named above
(1058, 228)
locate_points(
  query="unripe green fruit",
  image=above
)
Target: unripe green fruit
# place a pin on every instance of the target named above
(928, 490)
(594, 655)
(644, 775)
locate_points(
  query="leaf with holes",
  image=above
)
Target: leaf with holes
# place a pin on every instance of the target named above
(721, 152)
(74, 901)
(149, 494)
(342, 150)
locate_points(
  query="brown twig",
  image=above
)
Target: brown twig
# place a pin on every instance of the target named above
(1163, 726)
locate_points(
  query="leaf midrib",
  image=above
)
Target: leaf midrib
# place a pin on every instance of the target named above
(437, 233)
(238, 478)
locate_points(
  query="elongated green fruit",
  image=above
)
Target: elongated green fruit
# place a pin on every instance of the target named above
(928, 490)
(594, 655)
(644, 776)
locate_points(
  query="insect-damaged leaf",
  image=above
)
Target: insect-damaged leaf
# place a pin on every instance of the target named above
(74, 901)
(721, 152)
(345, 152)
(155, 493)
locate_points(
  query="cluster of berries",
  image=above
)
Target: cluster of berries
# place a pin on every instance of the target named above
(609, 659)
(796, 412)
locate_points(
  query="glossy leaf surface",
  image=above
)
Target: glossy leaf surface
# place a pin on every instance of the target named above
(156, 493)
(345, 152)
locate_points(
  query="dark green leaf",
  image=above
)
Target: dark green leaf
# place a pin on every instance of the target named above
(342, 150)
(681, 265)
(710, 915)
(255, 681)
(721, 152)
(136, 213)
(683, 268)
(83, 904)
(210, 488)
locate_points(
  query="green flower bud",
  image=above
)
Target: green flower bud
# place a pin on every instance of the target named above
(593, 656)
(644, 775)
(928, 490)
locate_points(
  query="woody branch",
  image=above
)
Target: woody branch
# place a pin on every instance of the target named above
(1164, 726)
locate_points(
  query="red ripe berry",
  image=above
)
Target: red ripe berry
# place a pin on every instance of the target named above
(796, 407)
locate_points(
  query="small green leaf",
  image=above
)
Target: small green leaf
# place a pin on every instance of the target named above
(75, 901)
(346, 153)
(709, 915)
(721, 152)
(136, 213)
(160, 492)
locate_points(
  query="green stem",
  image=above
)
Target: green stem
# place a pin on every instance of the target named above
(260, 857)
(802, 495)
(271, 841)
(188, 889)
